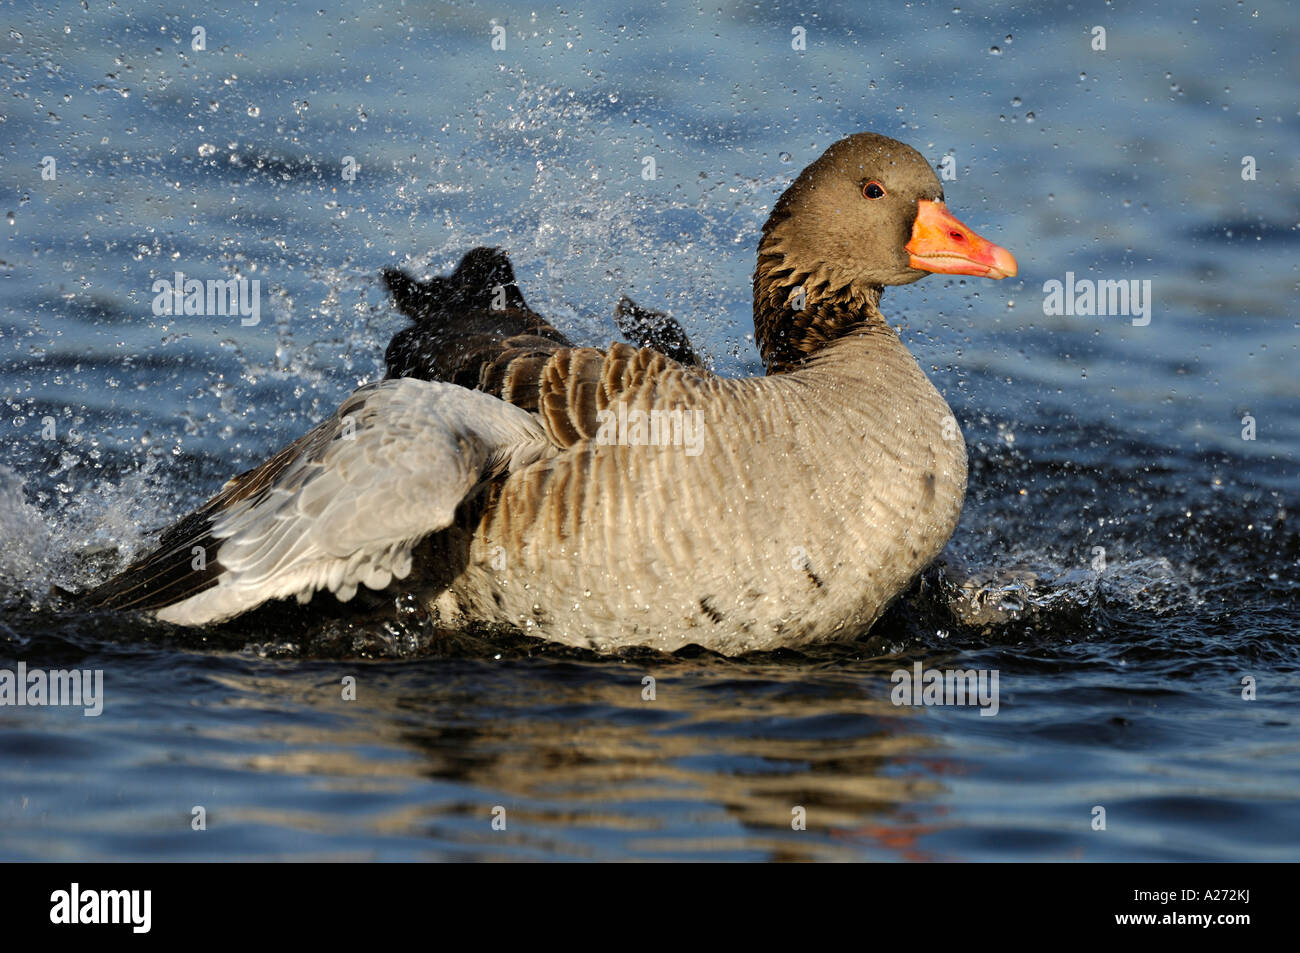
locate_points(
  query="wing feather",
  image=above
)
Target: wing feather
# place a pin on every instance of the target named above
(339, 508)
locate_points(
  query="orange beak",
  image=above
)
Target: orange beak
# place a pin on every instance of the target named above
(942, 244)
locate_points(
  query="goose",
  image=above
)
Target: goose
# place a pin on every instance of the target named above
(627, 496)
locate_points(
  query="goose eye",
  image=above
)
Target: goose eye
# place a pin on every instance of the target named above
(873, 190)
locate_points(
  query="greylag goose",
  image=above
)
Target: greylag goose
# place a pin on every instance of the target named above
(626, 496)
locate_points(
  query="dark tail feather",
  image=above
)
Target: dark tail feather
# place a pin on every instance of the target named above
(483, 279)
(464, 321)
(646, 328)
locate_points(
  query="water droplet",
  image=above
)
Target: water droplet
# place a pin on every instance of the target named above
(995, 51)
(785, 157)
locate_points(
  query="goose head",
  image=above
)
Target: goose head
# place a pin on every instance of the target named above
(869, 212)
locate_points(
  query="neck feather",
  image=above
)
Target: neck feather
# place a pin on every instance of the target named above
(800, 310)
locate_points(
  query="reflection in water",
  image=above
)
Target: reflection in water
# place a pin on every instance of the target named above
(716, 764)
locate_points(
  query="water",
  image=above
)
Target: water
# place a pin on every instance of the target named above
(1120, 687)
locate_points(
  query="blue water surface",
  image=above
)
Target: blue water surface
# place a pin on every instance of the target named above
(1121, 682)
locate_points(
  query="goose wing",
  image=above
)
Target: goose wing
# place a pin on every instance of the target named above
(339, 508)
